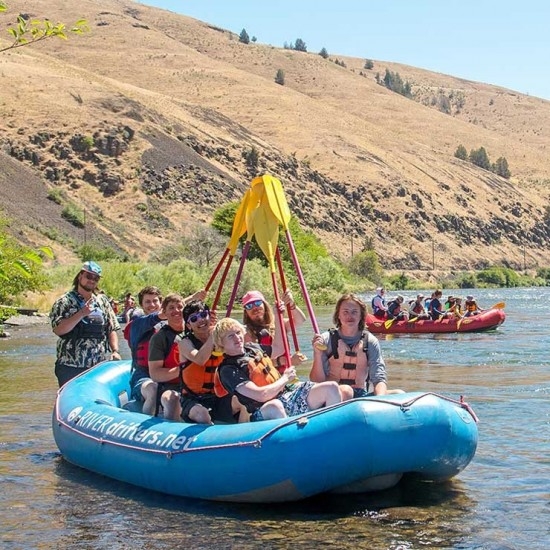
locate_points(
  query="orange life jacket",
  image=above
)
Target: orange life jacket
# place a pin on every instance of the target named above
(348, 365)
(260, 368)
(199, 379)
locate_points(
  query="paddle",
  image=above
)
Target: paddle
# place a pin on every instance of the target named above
(278, 205)
(388, 323)
(251, 206)
(239, 228)
(289, 311)
(498, 305)
(266, 231)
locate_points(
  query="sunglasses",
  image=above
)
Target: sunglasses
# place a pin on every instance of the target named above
(199, 315)
(91, 276)
(255, 303)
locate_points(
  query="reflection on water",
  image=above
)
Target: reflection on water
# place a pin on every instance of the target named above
(410, 510)
(502, 500)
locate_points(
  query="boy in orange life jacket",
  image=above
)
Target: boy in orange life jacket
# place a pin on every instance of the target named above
(199, 402)
(350, 355)
(248, 373)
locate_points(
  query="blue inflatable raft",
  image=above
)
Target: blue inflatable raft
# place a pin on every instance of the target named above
(360, 445)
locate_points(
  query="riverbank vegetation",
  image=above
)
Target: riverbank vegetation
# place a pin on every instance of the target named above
(188, 265)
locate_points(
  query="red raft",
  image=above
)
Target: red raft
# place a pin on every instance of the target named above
(488, 320)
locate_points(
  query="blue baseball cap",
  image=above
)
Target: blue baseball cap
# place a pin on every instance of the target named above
(91, 267)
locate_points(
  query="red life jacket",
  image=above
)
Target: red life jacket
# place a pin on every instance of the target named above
(263, 338)
(141, 357)
(172, 360)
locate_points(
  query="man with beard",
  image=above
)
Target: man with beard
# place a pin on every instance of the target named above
(262, 326)
(86, 325)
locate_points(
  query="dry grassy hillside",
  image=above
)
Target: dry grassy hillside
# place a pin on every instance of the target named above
(146, 121)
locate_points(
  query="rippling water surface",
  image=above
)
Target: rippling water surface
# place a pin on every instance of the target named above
(501, 501)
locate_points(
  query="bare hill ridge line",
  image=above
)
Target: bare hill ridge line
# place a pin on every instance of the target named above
(147, 122)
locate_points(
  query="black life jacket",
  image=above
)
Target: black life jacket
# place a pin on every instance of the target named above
(260, 368)
(90, 328)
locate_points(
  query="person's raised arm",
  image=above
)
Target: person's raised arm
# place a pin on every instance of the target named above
(298, 316)
(191, 353)
(68, 323)
(317, 372)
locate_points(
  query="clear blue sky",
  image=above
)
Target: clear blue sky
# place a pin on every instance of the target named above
(501, 42)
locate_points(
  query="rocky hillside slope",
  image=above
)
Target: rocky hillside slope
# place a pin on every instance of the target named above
(152, 120)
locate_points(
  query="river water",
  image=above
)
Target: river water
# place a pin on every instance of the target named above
(501, 501)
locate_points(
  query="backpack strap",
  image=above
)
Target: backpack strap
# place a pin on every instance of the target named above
(334, 337)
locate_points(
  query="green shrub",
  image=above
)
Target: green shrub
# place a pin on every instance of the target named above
(99, 253)
(73, 215)
(461, 153)
(243, 37)
(280, 77)
(56, 195)
(499, 276)
(366, 264)
(467, 280)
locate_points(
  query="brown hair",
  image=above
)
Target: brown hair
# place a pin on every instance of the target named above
(75, 283)
(169, 299)
(353, 298)
(154, 290)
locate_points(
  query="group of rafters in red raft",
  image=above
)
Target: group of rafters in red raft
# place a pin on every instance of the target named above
(429, 316)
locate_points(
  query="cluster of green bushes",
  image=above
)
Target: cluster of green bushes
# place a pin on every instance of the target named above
(492, 277)
(393, 81)
(480, 158)
(299, 45)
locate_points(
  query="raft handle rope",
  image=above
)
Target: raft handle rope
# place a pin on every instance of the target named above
(301, 421)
